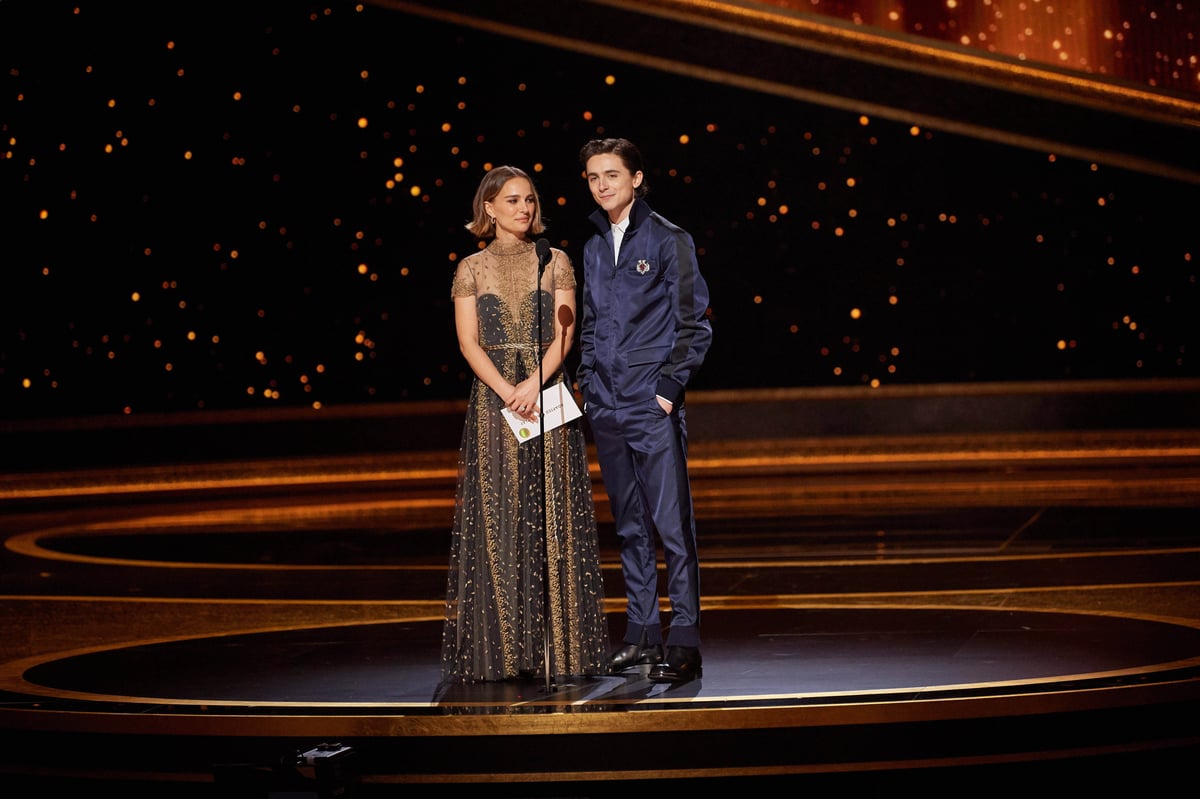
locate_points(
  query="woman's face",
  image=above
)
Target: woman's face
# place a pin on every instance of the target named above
(513, 208)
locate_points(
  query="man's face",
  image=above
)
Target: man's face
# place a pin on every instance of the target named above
(612, 185)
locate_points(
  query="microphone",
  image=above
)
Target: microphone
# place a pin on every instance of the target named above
(542, 247)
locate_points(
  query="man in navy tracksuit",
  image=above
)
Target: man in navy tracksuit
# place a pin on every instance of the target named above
(644, 334)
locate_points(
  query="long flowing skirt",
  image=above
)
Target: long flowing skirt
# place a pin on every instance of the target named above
(524, 555)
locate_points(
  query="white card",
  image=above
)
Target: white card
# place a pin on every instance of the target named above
(558, 407)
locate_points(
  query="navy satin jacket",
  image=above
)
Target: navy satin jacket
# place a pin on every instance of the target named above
(645, 328)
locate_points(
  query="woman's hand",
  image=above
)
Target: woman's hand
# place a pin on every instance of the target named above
(524, 399)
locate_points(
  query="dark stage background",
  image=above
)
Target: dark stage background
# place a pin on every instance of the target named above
(238, 205)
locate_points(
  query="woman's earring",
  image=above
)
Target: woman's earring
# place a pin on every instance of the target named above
(492, 219)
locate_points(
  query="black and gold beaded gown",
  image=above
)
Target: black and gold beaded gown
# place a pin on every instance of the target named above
(495, 603)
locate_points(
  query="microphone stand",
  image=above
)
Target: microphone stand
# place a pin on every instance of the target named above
(543, 256)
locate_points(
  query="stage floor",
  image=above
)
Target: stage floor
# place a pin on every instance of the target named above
(906, 610)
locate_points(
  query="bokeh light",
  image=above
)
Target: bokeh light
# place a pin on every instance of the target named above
(261, 204)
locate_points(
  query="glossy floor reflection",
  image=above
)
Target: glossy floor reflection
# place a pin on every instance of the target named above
(895, 613)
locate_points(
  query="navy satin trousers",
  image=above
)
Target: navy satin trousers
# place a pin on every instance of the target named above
(643, 462)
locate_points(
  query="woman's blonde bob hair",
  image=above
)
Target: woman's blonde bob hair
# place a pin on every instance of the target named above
(483, 225)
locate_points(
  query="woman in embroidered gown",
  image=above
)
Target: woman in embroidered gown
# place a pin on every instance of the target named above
(496, 595)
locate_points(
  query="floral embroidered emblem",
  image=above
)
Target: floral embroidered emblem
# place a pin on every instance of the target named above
(643, 267)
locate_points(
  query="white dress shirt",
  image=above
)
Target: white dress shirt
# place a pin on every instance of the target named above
(618, 231)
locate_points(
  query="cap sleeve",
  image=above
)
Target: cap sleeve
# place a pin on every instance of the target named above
(564, 271)
(464, 281)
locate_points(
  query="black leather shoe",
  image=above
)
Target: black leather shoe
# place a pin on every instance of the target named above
(682, 664)
(632, 655)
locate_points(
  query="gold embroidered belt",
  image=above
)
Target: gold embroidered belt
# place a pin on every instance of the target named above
(511, 346)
